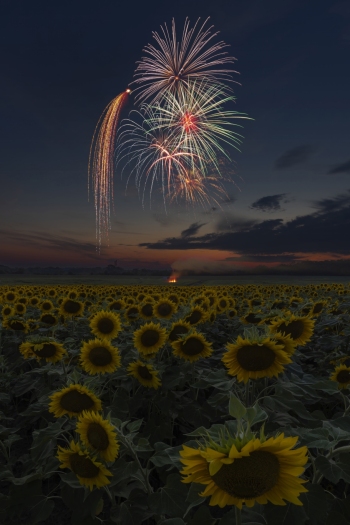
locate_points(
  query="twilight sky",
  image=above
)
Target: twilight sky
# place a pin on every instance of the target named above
(63, 62)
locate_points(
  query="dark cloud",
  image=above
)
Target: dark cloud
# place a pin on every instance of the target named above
(192, 230)
(340, 168)
(269, 203)
(321, 232)
(294, 156)
(231, 222)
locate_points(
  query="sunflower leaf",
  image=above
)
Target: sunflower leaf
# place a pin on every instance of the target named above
(236, 408)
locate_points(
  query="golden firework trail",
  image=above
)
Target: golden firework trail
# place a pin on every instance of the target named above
(101, 161)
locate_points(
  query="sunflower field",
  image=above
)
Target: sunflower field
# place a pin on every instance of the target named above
(175, 405)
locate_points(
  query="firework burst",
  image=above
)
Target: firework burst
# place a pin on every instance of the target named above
(174, 63)
(101, 162)
(197, 120)
(154, 152)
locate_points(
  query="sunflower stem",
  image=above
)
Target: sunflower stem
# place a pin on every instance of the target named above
(247, 393)
(238, 516)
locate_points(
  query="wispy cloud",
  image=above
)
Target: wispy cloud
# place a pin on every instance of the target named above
(270, 203)
(294, 156)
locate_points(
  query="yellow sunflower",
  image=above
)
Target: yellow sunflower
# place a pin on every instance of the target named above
(299, 328)
(318, 307)
(68, 307)
(259, 472)
(197, 315)
(20, 308)
(46, 306)
(7, 311)
(164, 308)
(192, 347)
(145, 374)
(149, 338)
(146, 310)
(98, 356)
(251, 318)
(286, 341)
(49, 319)
(73, 400)
(255, 358)
(15, 323)
(105, 325)
(132, 313)
(98, 434)
(341, 374)
(178, 329)
(88, 471)
(42, 348)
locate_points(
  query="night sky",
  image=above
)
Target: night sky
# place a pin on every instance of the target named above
(63, 62)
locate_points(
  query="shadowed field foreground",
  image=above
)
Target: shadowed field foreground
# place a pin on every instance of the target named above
(212, 400)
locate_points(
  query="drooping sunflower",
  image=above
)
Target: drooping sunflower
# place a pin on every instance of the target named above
(341, 374)
(49, 319)
(88, 471)
(132, 313)
(318, 307)
(98, 434)
(15, 323)
(164, 308)
(197, 315)
(105, 324)
(149, 338)
(98, 356)
(259, 472)
(192, 347)
(251, 318)
(177, 329)
(42, 348)
(299, 328)
(68, 307)
(286, 341)
(254, 358)
(72, 400)
(145, 374)
(117, 305)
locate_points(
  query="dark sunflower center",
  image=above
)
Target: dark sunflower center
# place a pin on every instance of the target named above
(100, 356)
(105, 325)
(19, 307)
(343, 376)
(97, 436)
(46, 306)
(294, 328)
(48, 319)
(255, 358)
(149, 338)
(192, 346)
(144, 373)
(48, 350)
(133, 311)
(195, 317)
(71, 307)
(174, 298)
(318, 308)
(164, 309)
(251, 318)
(222, 303)
(117, 305)
(147, 310)
(76, 401)
(10, 296)
(17, 325)
(176, 331)
(249, 477)
(83, 466)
